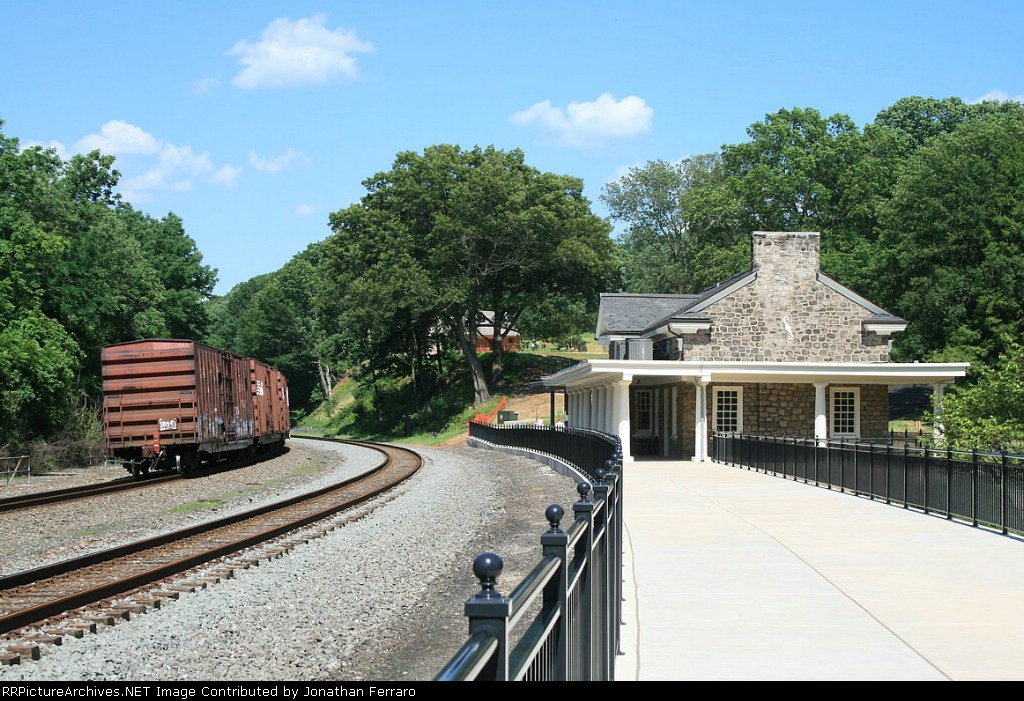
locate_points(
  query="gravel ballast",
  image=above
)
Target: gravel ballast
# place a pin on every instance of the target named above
(377, 599)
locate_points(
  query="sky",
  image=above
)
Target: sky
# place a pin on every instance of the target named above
(254, 120)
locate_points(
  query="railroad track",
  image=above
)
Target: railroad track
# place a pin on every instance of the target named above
(125, 484)
(26, 501)
(47, 602)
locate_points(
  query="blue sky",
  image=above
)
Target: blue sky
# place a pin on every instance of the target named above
(254, 120)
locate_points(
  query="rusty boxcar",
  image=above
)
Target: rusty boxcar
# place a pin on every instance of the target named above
(174, 403)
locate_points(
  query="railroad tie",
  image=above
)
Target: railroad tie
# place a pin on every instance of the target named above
(28, 652)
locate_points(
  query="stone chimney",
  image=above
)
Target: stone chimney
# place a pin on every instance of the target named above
(786, 257)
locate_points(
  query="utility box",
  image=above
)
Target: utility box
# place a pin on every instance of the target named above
(504, 416)
(641, 349)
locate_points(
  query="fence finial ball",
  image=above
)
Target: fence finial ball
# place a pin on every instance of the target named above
(554, 515)
(487, 567)
(583, 489)
(599, 473)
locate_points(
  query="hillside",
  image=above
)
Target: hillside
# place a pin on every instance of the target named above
(345, 414)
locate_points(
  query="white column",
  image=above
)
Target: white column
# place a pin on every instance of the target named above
(621, 392)
(611, 425)
(675, 418)
(938, 391)
(666, 419)
(700, 425)
(820, 414)
(590, 409)
(602, 416)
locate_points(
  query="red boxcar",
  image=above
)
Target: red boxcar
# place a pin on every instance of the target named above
(176, 403)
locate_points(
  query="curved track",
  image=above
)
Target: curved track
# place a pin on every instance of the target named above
(26, 501)
(39, 597)
(124, 484)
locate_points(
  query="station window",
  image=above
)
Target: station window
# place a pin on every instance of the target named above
(845, 412)
(642, 410)
(728, 410)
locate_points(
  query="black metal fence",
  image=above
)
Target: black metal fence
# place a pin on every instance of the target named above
(585, 449)
(562, 622)
(977, 487)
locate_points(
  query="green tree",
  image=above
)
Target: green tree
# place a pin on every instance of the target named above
(788, 176)
(185, 282)
(988, 414)
(667, 246)
(226, 312)
(448, 234)
(951, 254)
(73, 277)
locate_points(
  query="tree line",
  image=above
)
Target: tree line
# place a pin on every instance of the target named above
(80, 269)
(920, 211)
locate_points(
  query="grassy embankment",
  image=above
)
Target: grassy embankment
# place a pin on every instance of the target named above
(353, 411)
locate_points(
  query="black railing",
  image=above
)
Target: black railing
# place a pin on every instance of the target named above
(585, 449)
(981, 488)
(562, 622)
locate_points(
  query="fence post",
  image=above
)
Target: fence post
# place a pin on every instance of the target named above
(927, 474)
(1002, 490)
(828, 462)
(906, 453)
(604, 561)
(949, 483)
(488, 612)
(556, 594)
(888, 472)
(614, 473)
(974, 486)
(584, 551)
(856, 468)
(871, 470)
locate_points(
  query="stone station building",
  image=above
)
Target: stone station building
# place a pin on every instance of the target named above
(781, 350)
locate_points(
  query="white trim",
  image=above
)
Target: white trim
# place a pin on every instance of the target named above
(833, 391)
(850, 294)
(715, 390)
(604, 370)
(678, 328)
(724, 292)
(884, 328)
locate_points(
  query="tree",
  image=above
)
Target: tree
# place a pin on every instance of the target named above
(450, 233)
(185, 283)
(951, 254)
(989, 413)
(78, 270)
(788, 175)
(665, 247)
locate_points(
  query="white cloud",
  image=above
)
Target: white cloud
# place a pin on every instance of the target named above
(998, 96)
(589, 123)
(118, 138)
(303, 52)
(59, 148)
(226, 175)
(277, 164)
(205, 86)
(175, 168)
(304, 210)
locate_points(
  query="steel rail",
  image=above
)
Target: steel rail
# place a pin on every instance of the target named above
(122, 484)
(95, 584)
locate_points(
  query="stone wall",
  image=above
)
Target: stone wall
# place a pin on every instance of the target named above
(785, 313)
(776, 409)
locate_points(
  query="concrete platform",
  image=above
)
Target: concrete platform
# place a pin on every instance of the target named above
(736, 575)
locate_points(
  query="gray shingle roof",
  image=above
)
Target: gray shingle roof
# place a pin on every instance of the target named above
(625, 313)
